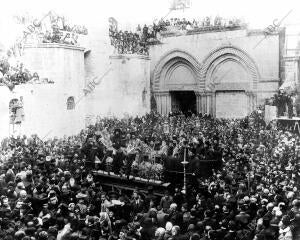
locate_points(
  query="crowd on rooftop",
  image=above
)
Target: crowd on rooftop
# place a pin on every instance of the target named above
(16, 74)
(128, 42)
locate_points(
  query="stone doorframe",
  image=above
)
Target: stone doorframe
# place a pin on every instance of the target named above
(206, 101)
(205, 93)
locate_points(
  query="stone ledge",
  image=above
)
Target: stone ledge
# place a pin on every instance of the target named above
(54, 45)
(126, 56)
(266, 80)
(290, 58)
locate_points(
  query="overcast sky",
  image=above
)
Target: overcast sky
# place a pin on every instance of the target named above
(94, 13)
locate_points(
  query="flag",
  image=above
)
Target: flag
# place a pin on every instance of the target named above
(180, 4)
(113, 24)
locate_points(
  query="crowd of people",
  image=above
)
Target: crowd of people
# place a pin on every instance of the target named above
(138, 42)
(48, 189)
(17, 74)
(207, 22)
(133, 42)
(286, 103)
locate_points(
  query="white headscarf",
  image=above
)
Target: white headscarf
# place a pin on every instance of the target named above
(169, 226)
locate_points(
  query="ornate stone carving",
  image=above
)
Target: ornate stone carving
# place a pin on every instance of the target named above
(176, 55)
(226, 52)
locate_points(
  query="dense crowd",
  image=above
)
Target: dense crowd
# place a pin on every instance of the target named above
(48, 189)
(133, 42)
(138, 42)
(207, 22)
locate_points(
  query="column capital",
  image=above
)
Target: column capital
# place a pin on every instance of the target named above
(161, 93)
(208, 93)
(200, 92)
(250, 93)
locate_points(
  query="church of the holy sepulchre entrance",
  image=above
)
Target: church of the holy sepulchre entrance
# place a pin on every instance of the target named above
(223, 83)
(183, 101)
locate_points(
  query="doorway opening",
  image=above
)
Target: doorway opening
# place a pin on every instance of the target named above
(183, 101)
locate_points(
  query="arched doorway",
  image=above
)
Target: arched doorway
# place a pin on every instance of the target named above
(224, 86)
(175, 82)
(183, 101)
(230, 76)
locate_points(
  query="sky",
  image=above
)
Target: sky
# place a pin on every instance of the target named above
(129, 13)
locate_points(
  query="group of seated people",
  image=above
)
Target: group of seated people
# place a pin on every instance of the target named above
(79, 29)
(185, 24)
(55, 35)
(16, 75)
(138, 42)
(48, 189)
(134, 42)
(128, 42)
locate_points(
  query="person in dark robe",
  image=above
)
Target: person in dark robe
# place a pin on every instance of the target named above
(118, 143)
(91, 149)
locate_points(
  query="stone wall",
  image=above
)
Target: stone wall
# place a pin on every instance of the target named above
(124, 90)
(218, 61)
(45, 105)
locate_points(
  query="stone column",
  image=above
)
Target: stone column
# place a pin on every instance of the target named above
(198, 102)
(204, 103)
(158, 102)
(213, 104)
(250, 106)
(163, 101)
(209, 102)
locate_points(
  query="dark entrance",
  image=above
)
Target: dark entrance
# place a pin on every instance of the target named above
(184, 101)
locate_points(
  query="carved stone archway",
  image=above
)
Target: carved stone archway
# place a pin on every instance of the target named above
(228, 52)
(204, 90)
(207, 95)
(168, 60)
(167, 64)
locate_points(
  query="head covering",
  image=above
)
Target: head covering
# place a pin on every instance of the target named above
(169, 226)
(21, 185)
(290, 195)
(173, 206)
(278, 213)
(270, 206)
(160, 232)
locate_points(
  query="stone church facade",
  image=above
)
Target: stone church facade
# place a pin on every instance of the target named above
(225, 74)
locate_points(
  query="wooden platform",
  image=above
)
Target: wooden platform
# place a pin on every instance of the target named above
(291, 123)
(129, 183)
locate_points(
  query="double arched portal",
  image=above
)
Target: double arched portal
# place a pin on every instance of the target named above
(223, 85)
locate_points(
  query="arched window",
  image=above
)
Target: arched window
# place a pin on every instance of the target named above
(70, 103)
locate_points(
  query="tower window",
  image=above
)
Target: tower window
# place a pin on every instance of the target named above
(70, 103)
